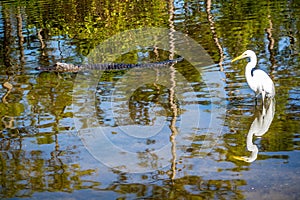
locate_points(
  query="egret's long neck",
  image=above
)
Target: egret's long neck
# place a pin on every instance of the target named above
(250, 66)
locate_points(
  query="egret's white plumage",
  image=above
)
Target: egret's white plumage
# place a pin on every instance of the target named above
(257, 79)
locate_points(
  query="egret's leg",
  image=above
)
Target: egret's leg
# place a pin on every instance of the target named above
(256, 96)
(256, 105)
(263, 112)
(263, 95)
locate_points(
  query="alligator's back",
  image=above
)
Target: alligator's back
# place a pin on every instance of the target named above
(66, 67)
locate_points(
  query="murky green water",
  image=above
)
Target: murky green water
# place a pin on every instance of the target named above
(188, 131)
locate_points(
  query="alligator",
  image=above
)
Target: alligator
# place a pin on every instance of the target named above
(67, 67)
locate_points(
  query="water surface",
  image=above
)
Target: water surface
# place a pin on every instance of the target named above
(163, 117)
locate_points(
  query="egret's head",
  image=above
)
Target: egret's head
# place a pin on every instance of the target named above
(247, 54)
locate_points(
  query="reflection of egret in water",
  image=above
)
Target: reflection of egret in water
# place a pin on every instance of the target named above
(259, 127)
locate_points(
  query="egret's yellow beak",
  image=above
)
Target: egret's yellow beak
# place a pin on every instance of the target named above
(238, 58)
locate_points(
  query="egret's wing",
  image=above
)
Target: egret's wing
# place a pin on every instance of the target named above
(264, 80)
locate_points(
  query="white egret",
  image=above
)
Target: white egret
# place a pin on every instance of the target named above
(257, 79)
